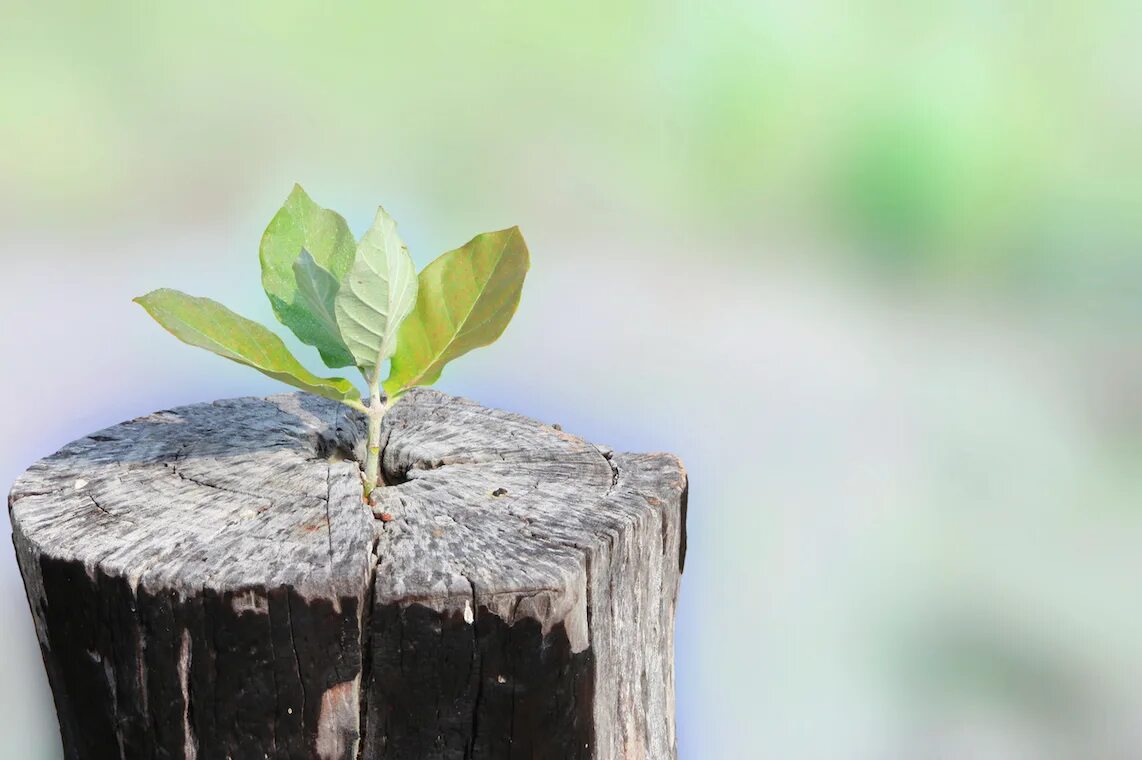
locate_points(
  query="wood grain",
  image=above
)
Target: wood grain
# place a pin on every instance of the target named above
(206, 582)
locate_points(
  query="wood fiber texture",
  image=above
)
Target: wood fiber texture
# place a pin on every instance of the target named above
(206, 582)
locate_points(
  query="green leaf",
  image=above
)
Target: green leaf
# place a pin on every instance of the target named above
(466, 299)
(302, 224)
(316, 292)
(377, 295)
(208, 324)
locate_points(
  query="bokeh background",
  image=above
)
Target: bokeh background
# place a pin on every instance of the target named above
(872, 269)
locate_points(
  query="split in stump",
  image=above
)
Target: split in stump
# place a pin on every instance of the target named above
(206, 582)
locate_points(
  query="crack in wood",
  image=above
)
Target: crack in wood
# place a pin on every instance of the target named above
(99, 506)
(537, 623)
(214, 486)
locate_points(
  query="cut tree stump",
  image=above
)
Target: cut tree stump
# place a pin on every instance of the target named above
(207, 583)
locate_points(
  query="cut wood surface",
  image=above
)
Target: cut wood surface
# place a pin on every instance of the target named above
(206, 582)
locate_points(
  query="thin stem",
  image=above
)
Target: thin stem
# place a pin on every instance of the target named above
(375, 412)
(354, 404)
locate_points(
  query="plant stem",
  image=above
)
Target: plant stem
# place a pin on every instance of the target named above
(354, 404)
(376, 412)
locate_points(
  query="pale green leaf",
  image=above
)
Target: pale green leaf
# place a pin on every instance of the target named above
(466, 299)
(208, 324)
(302, 224)
(376, 295)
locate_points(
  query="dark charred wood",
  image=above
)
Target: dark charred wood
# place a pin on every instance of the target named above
(207, 582)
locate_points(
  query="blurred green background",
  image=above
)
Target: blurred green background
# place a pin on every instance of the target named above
(872, 269)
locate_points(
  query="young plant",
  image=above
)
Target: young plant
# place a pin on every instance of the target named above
(361, 304)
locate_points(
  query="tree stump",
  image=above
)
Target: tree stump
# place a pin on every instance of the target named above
(207, 583)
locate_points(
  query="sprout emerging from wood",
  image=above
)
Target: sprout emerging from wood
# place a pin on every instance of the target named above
(360, 303)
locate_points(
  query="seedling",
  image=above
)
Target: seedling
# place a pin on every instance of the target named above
(361, 304)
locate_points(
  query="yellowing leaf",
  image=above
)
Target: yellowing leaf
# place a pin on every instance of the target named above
(466, 299)
(376, 295)
(208, 324)
(302, 224)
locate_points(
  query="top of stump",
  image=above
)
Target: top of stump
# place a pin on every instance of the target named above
(488, 507)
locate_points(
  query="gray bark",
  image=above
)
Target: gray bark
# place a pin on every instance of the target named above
(207, 582)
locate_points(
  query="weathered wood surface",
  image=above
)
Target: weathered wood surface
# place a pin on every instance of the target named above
(207, 583)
